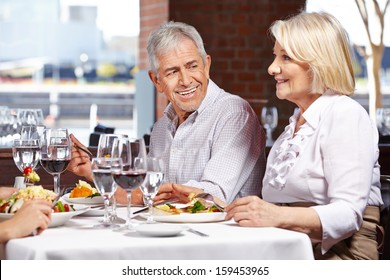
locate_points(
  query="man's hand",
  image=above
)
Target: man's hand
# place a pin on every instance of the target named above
(80, 163)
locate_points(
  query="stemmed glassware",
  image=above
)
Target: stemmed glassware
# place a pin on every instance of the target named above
(56, 153)
(29, 132)
(153, 180)
(269, 120)
(26, 153)
(102, 169)
(105, 145)
(383, 121)
(133, 173)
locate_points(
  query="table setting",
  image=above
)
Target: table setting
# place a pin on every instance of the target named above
(172, 230)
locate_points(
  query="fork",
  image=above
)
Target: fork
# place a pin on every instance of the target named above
(208, 197)
(62, 192)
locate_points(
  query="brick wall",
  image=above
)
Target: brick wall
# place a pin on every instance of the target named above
(235, 35)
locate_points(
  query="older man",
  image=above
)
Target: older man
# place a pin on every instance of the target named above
(209, 139)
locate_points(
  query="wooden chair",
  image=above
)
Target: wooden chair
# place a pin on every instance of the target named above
(385, 217)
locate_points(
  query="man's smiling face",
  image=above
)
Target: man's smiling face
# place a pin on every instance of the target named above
(183, 77)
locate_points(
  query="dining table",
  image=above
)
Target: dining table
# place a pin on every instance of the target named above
(78, 239)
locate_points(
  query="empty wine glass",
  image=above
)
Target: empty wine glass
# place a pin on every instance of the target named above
(383, 121)
(28, 117)
(29, 132)
(56, 153)
(153, 180)
(26, 153)
(269, 120)
(133, 171)
(40, 117)
(102, 169)
(104, 149)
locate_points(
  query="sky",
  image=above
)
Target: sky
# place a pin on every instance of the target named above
(348, 14)
(115, 17)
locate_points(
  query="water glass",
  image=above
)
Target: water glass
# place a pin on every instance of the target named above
(26, 153)
(102, 169)
(151, 185)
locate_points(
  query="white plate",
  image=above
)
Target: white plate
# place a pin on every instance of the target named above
(165, 217)
(192, 218)
(160, 230)
(57, 219)
(96, 200)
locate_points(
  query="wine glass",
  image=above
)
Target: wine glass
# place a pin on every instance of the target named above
(26, 153)
(102, 168)
(28, 117)
(29, 132)
(104, 149)
(40, 117)
(269, 119)
(153, 180)
(133, 173)
(56, 153)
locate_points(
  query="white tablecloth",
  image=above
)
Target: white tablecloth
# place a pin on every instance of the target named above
(77, 239)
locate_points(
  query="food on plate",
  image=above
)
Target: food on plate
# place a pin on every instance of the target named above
(83, 189)
(31, 175)
(196, 205)
(63, 207)
(13, 203)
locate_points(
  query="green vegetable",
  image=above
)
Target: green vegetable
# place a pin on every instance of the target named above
(198, 206)
(61, 207)
(93, 195)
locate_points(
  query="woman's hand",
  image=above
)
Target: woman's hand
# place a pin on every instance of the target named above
(6, 192)
(80, 163)
(252, 211)
(33, 215)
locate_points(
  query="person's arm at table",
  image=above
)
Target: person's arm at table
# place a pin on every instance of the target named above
(6, 192)
(80, 163)
(236, 152)
(34, 214)
(252, 211)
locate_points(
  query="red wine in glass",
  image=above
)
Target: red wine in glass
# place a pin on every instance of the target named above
(129, 180)
(54, 166)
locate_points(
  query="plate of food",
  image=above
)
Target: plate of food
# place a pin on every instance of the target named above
(61, 212)
(160, 230)
(196, 211)
(83, 193)
(58, 218)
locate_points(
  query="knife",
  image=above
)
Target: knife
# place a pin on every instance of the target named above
(197, 232)
(157, 204)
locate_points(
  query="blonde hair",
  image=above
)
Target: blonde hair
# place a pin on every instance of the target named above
(319, 40)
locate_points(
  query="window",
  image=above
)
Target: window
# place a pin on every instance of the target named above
(75, 59)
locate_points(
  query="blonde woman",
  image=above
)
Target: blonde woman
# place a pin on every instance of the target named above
(322, 174)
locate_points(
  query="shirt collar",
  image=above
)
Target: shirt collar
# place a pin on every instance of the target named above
(312, 114)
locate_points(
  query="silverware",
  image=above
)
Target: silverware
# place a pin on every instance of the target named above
(97, 207)
(197, 232)
(208, 197)
(83, 149)
(157, 204)
(59, 196)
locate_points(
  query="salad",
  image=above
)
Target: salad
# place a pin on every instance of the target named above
(196, 205)
(13, 203)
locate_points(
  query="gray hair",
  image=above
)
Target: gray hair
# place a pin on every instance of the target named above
(167, 37)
